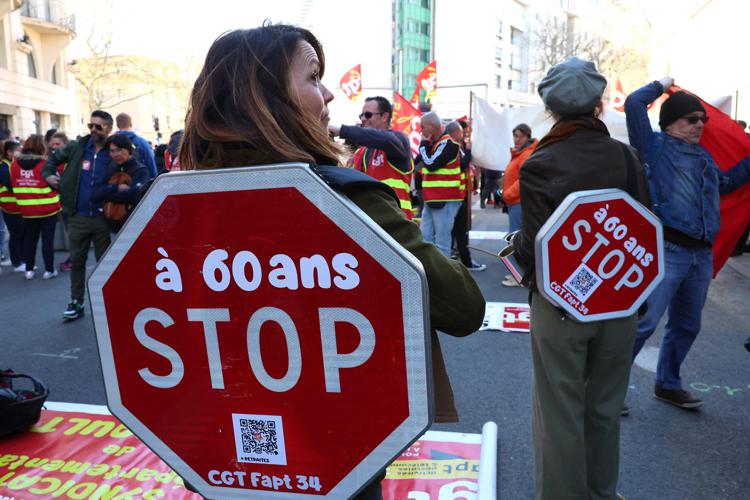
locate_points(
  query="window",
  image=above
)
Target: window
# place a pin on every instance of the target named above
(426, 4)
(54, 74)
(31, 65)
(38, 122)
(426, 55)
(424, 28)
(55, 121)
(498, 54)
(498, 82)
(4, 123)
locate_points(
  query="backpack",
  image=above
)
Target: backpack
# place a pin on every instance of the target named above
(115, 211)
(19, 408)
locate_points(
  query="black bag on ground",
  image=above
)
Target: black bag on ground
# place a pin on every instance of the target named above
(20, 407)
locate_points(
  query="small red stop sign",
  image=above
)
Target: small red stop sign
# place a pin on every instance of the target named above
(599, 255)
(262, 335)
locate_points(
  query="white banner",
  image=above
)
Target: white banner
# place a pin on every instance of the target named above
(491, 138)
(492, 135)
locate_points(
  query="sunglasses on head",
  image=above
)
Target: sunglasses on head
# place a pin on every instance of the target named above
(96, 126)
(692, 120)
(368, 114)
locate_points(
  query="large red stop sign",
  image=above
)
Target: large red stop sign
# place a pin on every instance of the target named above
(262, 335)
(599, 255)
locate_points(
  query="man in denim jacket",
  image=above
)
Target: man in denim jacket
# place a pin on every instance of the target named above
(685, 184)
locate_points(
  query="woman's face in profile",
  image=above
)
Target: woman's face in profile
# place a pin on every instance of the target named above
(305, 84)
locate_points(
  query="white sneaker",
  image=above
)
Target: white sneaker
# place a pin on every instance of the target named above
(49, 275)
(29, 275)
(476, 267)
(510, 282)
(20, 269)
(5, 262)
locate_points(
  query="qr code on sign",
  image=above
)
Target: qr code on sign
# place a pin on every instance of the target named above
(583, 282)
(259, 439)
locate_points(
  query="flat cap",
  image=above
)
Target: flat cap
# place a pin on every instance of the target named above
(572, 87)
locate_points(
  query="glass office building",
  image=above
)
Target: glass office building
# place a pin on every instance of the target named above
(413, 48)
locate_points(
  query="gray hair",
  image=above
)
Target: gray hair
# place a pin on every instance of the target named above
(432, 119)
(453, 126)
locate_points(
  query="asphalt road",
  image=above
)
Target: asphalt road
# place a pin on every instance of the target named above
(666, 453)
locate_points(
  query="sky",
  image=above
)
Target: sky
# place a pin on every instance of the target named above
(177, 31)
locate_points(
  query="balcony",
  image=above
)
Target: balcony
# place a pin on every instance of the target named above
(48, 17)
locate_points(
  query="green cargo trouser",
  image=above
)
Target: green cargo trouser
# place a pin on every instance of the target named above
(581, 373)
(82, 231)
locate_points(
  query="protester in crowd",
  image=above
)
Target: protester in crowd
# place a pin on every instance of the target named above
(523, 146)
(48, 137)
(581, 370)
(685, 184)
(460, 232)
(144, 152)
(59, 140)
(381, 153)
(171, 155)
(10, 211)
(38, 203)
(122, 185)
(441, 182)
(488, 190)
(240, 114)
(87, 164)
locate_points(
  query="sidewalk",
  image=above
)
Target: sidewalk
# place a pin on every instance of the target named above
(741, 264)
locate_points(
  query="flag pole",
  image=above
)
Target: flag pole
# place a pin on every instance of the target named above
(469, 178)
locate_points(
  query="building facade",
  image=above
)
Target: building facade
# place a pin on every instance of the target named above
(413, 35)
(37, 92)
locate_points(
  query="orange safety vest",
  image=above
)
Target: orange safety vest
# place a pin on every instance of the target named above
(443, 184)
(33, 195)
(374, 162)
(7, 198)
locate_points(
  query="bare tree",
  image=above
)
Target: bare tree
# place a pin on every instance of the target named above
(555, 39)
(107, 80)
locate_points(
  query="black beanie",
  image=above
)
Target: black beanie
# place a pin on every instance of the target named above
(676, 106)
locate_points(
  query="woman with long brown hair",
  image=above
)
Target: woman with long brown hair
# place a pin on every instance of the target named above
(259, 100)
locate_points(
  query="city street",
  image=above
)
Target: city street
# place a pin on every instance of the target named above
(666, 453)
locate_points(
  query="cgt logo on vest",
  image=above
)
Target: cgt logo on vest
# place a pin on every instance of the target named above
(378, 160)
(600, 255)
(27, 174)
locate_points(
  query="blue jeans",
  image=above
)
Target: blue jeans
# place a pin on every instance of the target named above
(437, 224)
(514, 217)
(683, 291)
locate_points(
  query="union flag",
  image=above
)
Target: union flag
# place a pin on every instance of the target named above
(427, 79)
(406, 119)
(351, 83)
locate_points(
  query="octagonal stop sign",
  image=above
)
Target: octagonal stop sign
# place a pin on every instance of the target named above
(262, 335)
(599, 255)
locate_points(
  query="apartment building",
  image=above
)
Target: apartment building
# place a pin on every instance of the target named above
(37, 92)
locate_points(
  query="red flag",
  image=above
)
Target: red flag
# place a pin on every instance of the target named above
(427, 79)
(351, 83)
(728, 144)
(406, 119)
(416, 97)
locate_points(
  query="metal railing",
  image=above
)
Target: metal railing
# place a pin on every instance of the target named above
(51, 11)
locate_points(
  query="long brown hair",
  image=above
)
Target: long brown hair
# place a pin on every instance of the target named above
(241, 101)
(34, 145)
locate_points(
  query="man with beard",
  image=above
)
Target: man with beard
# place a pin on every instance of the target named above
(87, 160)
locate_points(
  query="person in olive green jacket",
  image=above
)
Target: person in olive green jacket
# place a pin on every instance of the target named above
(581, 370)
(240, 116)
(87, 161)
